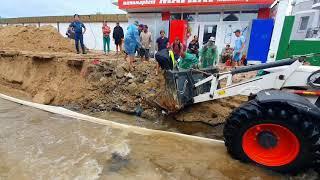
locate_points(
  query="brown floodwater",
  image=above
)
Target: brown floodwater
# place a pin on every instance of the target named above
(35, 144)
(164, 124)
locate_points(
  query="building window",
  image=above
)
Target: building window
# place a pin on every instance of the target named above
(190, 17)
(231, 16)
(248, 15)
(176, 16)
(209, 17)
(304, 23)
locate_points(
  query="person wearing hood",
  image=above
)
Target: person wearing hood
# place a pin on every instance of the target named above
(209, 54)
(131, 42)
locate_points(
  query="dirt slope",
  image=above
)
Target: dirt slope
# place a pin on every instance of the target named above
(98, 83)
(90, 82)
(38, 63)
(45, 38)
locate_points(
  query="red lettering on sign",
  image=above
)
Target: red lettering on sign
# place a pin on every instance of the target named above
(129, 4)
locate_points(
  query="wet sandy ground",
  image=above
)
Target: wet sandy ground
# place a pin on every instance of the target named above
(39, 145)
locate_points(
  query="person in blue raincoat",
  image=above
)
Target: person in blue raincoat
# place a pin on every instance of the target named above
(131, 41)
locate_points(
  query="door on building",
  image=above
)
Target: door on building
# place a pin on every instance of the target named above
(207, 31)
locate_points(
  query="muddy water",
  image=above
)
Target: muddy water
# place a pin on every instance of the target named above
(38, 145)
(168, 124)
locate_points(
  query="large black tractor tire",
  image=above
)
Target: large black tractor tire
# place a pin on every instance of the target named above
(255, 126)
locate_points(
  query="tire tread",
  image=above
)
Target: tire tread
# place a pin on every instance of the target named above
(253, 112)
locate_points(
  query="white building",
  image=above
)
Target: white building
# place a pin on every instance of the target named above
(307, 20)
(205, 18)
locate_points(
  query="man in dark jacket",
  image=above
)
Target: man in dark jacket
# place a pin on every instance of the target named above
(118, 36)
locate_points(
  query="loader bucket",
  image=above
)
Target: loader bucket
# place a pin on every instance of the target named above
(180, 87)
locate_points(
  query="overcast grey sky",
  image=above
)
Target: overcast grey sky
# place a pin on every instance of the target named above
(24, 8)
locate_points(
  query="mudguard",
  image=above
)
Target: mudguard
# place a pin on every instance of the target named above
(299, 102)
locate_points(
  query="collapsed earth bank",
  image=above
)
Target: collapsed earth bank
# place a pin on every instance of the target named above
(98, 83)
(40, 62)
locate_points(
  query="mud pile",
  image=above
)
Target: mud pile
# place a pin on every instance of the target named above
(120, 90)
(92, 82)
(37, 62)
(143, 90)
(97, 83)
(100, 83)
(43, 39)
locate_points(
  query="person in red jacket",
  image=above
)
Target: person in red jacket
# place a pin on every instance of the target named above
(106, 37)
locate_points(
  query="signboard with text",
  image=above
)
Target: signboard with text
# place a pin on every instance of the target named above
(130, 4)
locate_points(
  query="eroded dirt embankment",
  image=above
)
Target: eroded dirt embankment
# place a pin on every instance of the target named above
(97, 83)
(89, 81)
(39, 64)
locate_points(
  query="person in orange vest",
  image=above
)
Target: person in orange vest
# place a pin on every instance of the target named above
(106, 37)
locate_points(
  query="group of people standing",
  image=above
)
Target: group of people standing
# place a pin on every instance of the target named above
(185, 57)
(205, 57)
(117, 36)
(77, 29)
(234, 56)
(138, 39)
(208, 54)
